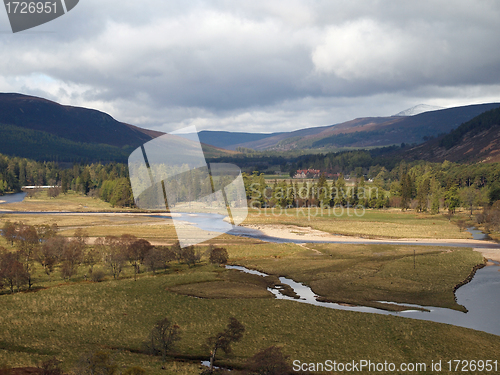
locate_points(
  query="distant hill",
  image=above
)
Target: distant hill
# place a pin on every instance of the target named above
(73, 123)
(230, 139)
(418, 109)
(369, 131)
(477, 140)
(41, 129)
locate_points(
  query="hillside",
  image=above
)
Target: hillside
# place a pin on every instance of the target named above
(368, 131)
(73, 123)
(477, 140)
(41, 129)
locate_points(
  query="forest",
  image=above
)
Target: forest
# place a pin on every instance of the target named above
(358, 178)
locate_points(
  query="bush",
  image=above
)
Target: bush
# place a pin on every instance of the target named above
(134, 371)
(270, 361)
(51, 367)
(98, 276)
(218, 255)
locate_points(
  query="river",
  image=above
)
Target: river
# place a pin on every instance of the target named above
(480, 297)
(12, 198)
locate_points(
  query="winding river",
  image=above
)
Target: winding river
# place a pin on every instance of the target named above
(481, 296)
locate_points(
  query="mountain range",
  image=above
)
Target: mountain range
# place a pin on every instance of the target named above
(357, 133)
(41, 129)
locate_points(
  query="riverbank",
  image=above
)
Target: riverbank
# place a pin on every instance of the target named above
(308, 235)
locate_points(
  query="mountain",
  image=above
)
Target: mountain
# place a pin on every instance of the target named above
(370, 131)
(41, 129)
(226, 139)
(72, 123)
(477, 140)
(418, 109)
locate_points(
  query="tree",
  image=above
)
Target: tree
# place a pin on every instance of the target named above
(136, 251)
(177, 250)
(9, 232)
(49, 254)
(51, 367)
(96, 363)
(452, 199)
(190, 256)
(422, 194)
(12, 271)
(28, 241)
(154, 260)
(46, 231)
(406, 190)
(115, 257)
(72, 256)
(270, 361)
(218, 255)
(224, 339)
(469, 196)
(163, 337)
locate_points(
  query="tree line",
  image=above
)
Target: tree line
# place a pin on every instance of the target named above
(42, 246)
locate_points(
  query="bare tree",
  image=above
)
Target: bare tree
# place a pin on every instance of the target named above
(163, 337)
(154, 260)
(189, 255)
(218, 255)
(223, 340)
(91, 258)
(177, 250)
(46, 231)
(27, 240)
(115, 257)
(12, 271)
(9, 232)
(72, 257)
(49, 253)
(136, 251)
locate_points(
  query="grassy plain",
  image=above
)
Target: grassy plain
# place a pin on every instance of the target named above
(65, 319)
(71, 201)
(117, 315)
(371, 223)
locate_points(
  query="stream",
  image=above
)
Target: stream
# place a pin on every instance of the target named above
(480, 297)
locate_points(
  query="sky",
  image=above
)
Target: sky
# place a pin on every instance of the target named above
(259, 65)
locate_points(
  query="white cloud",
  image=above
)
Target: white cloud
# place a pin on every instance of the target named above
(258, 65)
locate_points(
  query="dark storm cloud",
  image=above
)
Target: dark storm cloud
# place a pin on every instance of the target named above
(265, 65)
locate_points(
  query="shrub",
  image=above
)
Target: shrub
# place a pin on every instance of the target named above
(98, 276)
(218, 255)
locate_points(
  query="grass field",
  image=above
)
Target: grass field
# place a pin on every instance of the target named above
(117, 315)
(65, 319)
(71, 201)
(390, 223)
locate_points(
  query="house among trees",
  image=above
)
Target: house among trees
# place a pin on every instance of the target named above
(307, 173)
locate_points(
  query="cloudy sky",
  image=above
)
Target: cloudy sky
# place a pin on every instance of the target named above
(259, 65)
